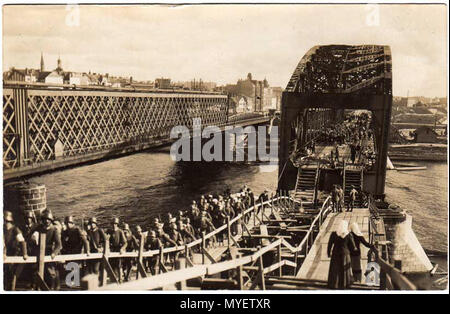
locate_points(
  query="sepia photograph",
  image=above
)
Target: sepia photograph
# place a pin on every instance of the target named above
(183, 147)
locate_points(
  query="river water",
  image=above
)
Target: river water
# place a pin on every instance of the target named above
(143, 185)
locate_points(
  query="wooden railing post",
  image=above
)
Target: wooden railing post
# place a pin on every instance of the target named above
(261, 273)
(229, 233)
(180, 264)
(240, 274)
(271, 203)
(254, 215)
(41, 255)
(203, 247)
(104, 273)
(140, 265)
(186, 253)
(262, 211)
(280, 270)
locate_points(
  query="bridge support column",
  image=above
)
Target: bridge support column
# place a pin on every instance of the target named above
(382, 121)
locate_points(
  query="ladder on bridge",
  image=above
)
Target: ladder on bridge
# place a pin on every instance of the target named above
(306, 185)
(353, 177)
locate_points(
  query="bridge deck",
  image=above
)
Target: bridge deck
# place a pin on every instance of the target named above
(316, 264)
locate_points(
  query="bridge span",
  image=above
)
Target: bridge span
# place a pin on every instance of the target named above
(50, 127)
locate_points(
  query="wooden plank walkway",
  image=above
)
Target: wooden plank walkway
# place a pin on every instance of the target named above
(316, 264)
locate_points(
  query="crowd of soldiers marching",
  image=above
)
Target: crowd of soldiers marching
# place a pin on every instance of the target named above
(203, 216)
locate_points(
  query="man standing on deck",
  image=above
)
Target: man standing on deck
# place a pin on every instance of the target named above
(335, 198)
(264, 197)
(118, 243)
(352, 198)
(97, 239)
(341, 203)
(14, 244)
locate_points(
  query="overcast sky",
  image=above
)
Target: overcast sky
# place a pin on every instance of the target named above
(222, 43)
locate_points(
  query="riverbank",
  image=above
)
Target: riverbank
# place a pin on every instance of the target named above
(418, 152)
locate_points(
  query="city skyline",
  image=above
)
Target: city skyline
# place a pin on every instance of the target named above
(223, 43)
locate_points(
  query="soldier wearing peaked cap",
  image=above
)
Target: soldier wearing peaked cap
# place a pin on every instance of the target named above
(14, 244)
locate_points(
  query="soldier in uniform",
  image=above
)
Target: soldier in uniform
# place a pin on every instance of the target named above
(74, 240)
(153, 243)
(14, 245)
(189, 228)
(176, 237)
(264, 197)
(206, 225)
(156, 224)
(251, 195)
(131, 247)
(169, 219)
(30, 223)
(165, 239)
(32, 243)
(118, 243)
(52, 247)
(97, 239)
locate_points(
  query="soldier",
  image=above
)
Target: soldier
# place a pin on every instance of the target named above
(153, 243)
(189, 228)
(176, 236)
(156, 224)
(131, 247)
(206, 225)
(202, 201)
(169, 219)
(52, 247)
(165, 239)
(186, 234)
(251, 195)
(180, 216)
(30, 226)
(97, 239)
(137, 237)
(14, 244)
(118, 243)
(74, 240)
(264, 197)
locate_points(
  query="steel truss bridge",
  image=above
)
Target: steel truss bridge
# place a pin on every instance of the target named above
(326, 81)
(92, 123)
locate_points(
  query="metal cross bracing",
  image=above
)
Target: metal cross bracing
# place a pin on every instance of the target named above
(89, 121)
(10, 142)
(328, 80)
(343, 69)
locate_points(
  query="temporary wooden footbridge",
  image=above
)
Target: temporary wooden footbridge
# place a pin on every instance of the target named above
(278, 244)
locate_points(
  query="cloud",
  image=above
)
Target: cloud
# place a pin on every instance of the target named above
(224, 42)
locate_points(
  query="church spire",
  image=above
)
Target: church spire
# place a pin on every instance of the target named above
(42, 62)
(59, 63)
